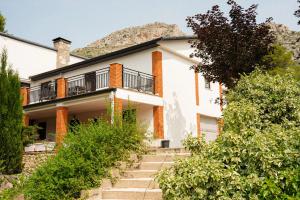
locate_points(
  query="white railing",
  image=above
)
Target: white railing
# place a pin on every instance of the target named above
(102, 79)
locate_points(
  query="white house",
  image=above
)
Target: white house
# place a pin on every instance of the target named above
(170, 99)
(29, 57)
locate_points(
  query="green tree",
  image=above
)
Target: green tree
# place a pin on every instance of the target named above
(281, 62)
(10, 119)
(257, 154)
(2, 23)
(229, 46)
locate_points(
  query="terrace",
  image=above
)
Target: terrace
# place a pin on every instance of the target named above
(91, 82)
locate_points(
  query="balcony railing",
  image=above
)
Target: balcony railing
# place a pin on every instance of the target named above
(88, 82)
(93, 81)
(43, 92)
(139, 81)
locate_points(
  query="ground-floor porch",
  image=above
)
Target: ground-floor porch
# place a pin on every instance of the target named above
(56, 117)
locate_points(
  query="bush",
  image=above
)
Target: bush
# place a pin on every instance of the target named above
(257, 154)
(87, 155)
(11, 113)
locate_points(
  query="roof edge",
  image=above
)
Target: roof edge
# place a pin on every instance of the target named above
(35, 43)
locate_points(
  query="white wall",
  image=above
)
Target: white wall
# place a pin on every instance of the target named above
(30, 59)
(179, 99)
(207, 99)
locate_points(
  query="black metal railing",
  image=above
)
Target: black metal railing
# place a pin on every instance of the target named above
(93, 81)
(139, 81)
(43, 92)
(88, 82)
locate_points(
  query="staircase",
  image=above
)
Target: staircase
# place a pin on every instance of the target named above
(138, 182)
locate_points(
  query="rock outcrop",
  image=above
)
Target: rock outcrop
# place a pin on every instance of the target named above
(128, 37)
(288, 38)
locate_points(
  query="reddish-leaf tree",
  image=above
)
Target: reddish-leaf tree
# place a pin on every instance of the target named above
(229, 47)
(297, 12)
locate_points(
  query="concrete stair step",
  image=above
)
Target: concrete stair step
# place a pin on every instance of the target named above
(167, 150)
(140, 173)
(163, 157)
(155, 165)
(136, 183)
(132, 193)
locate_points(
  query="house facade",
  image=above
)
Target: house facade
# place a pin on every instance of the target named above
(170, 99)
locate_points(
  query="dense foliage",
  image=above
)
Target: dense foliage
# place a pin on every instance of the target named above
(281, 61)
(2, 23)
(87, 155)
(229, 47)
(257, 156)
(11, 113)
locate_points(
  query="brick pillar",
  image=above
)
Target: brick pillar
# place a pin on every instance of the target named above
(61, 124)
(118, 106)
(158, 111)
(221, 96)
(198, 117)
(116, 75)
(61, 88)
(25, 95)
(157, 72)
(25, 120)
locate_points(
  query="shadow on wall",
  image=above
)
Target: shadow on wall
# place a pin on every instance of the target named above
(176, 123)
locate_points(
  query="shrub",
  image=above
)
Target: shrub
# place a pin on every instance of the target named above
(87, 155)
(257, 154)
(10, 119)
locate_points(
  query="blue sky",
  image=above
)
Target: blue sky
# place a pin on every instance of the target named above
(84, 21)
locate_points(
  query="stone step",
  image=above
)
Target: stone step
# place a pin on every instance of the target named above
(155, 165)
(140, 173)
(163, 157)
(136, 183)
(132, 193)
(167, 150)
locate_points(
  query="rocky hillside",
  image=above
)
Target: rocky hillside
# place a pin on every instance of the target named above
(128, 37)
(139, 34)
(288, 38)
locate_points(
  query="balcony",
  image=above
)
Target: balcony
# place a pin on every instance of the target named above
(91, 82)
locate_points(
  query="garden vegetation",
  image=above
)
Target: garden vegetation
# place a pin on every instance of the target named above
(257, 155)
(88, 153)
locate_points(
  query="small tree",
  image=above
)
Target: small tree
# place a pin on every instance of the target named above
(281, 61)
(229, 47)
(10, 119)
(2, 23)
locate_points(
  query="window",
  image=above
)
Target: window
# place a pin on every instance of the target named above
(207, 83)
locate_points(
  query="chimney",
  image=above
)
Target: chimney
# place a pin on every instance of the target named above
(63, 51)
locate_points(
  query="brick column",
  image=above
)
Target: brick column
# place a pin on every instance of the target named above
(117, 111)
(61, 124)
(221, 96)
(158, 111)
(61, 88)
(115, 75)
(25, 120)
(25, 95)
(25, 101)
(197, 103)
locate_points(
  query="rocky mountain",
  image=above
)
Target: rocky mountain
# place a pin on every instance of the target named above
(138, 34)
(288, 38)
(128, 37)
